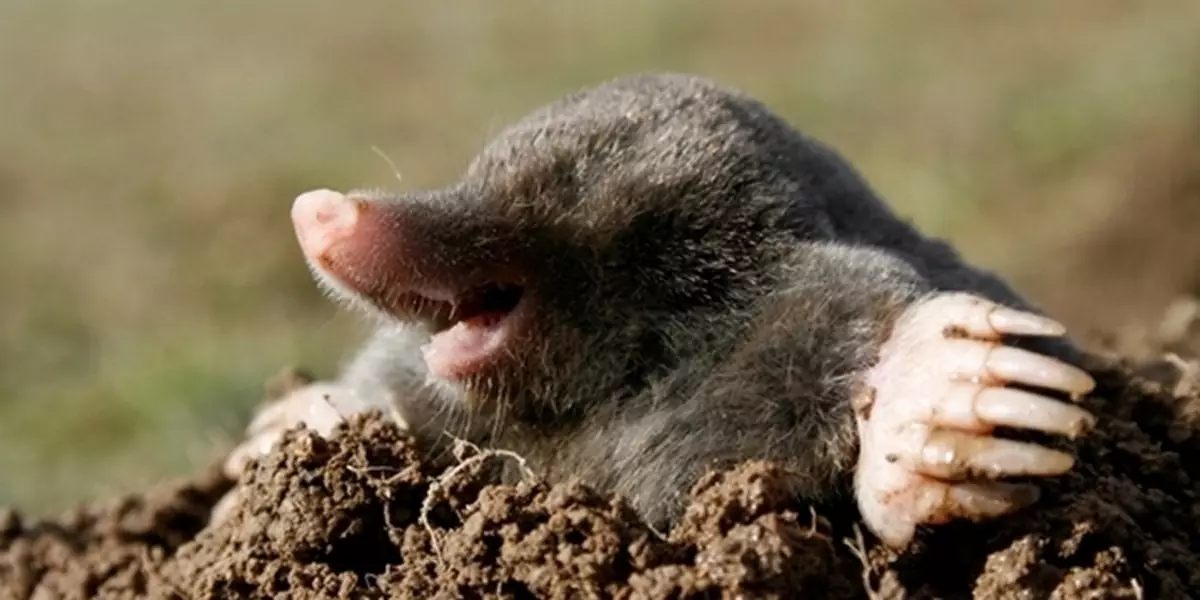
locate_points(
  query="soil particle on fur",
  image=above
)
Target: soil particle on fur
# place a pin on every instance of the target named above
(365, 515)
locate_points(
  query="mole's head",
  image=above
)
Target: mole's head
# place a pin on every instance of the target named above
(587, 251)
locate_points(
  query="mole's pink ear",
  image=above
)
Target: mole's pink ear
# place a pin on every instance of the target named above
(322, 218)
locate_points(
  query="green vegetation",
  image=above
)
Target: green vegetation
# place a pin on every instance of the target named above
(149, 152)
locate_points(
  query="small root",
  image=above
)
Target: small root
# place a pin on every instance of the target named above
(662, 537)
(858, 547)
(814, 530)
(1189, 374)
(480, 456)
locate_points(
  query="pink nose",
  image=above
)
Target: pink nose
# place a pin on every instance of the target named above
(322, 218)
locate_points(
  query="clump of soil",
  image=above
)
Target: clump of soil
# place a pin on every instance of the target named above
(364, 515)
(113, 548)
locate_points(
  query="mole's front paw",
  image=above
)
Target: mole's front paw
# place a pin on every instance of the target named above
(927, 453)
(319, 406)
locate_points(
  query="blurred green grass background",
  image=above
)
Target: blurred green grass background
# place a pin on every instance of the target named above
(149, 152)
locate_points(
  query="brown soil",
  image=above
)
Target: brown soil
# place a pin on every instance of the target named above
(363, 515)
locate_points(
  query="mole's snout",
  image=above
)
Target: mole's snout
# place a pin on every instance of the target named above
(322, 218)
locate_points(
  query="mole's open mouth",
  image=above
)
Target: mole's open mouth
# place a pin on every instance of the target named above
(367, 251)
(469, 330)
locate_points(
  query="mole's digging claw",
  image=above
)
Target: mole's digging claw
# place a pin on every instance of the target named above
(1015, 322)
(1021, 366)
(251, 448)
(318, 406)
(987, 500)
(937, 400)
(982, 318)
(999, 406)
(989, 362)
(958, 455)
(273, 416)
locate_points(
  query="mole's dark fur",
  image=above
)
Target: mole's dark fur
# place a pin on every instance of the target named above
(710, 284)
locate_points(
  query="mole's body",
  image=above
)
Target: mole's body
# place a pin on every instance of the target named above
(657, 276)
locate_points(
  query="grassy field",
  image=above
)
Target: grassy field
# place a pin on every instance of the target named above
(149, 152)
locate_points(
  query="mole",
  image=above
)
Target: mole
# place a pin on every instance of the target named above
(658, 276)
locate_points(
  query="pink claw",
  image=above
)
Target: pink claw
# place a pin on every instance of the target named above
(926, 454)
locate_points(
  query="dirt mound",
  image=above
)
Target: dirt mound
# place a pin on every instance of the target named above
(113, 548)
(365, 516)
